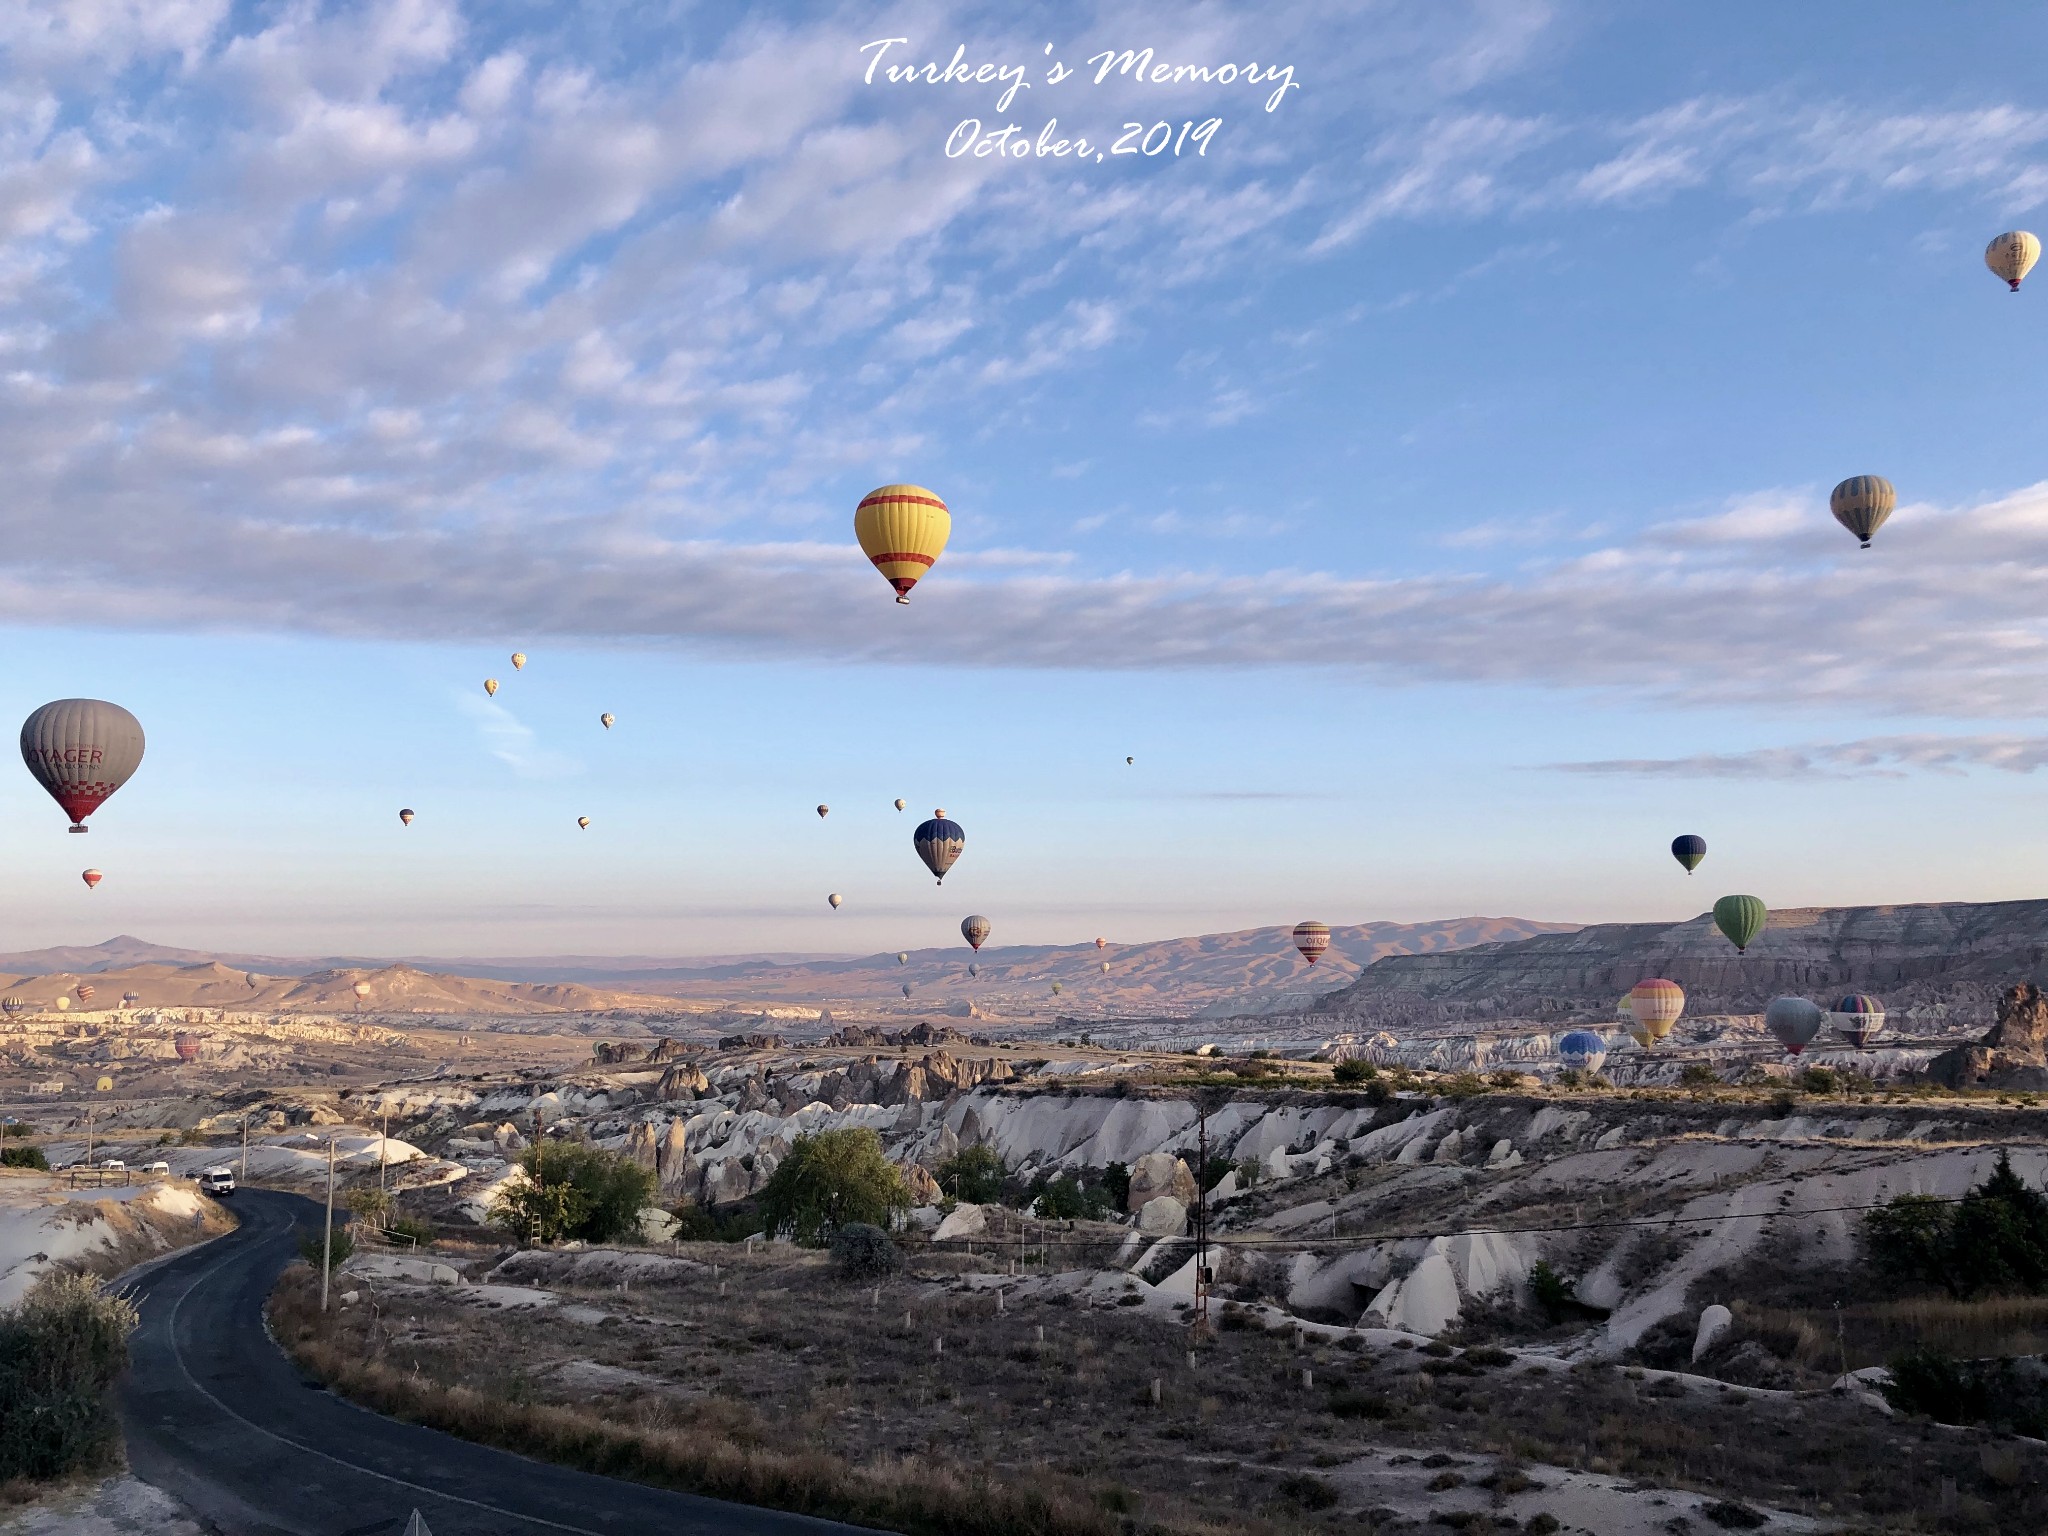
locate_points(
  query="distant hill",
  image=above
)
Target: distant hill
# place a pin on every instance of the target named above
(1252, 970)
(1945, 957)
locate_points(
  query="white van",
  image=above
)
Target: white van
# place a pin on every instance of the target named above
(218, 1181)
(149, 1168)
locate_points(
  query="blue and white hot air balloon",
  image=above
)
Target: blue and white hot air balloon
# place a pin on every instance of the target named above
(1857, 1018)
(1582, 1050)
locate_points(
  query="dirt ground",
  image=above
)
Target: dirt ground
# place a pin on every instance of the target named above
(1259, 1427)
(113, 1506)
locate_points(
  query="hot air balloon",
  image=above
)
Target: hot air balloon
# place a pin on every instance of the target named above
(903, 957)
(1101, 943)
(519, 661)
(13, 1004)
(1741, 918)
(104, 1085)
(903, 530)
(835, 899)
(1105, 967)
(1130, 762)
(1312, 939)
(2012, 256)
(1857, 1018)
(606, 719)
(583, 822)
(1655, 1006)
(85, 991)
(63, 1005)
(130, 999)
(906, 989)
(938, 843)
(974, 930)
(1056, 989)
(187, 1047)
(361, 989)
(1794, 1021)
(490, 687)
(973, 969)
(1582, 1050)
(405, 817)
(92, 878)
(1689, 850)
(81, 751)
(900, 804)
(1861, 503)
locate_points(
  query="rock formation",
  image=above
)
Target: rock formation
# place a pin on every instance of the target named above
(2013, 1052)
(1160, 1173)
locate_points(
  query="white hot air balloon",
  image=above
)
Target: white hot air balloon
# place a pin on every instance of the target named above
(835, 899)
(901, 803)
(903, 957)
(606, 719)
(583, 821)
(2012, 256)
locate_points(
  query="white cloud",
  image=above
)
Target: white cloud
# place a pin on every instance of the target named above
(512, 742)
(1872, 757)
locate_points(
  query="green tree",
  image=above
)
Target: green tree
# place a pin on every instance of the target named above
(313, 1246)
(829, 1180)
(61, 1351)
(24, 1157)
(1352, 1071)
(574, 1190)
(1995, 1239)
(973, 1174)
(1116, 1184)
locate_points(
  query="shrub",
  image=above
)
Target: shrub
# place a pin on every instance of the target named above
(421, 1232)
(1926, 1381)
(574, 1190)
(1347, 1403)
(1065, 1198)
(864, 1253)
(313, 1245)
(1994, 1239)
(372, 1205)
(61, 1350)
(829, 1180)
(17, 1128)
(1819, 1080)
(24, 1157)
(1504, 1079)
(1571, 1077)
(1352, 1071)
(695, 1224)
(973, 1174)
(1697, 1075)
(1116, 1185)
(1247, 1172)
(1307, 1490)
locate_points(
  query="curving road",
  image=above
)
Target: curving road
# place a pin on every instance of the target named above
(218, 1417)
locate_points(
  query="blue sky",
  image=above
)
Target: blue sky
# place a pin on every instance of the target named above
(1427, 485)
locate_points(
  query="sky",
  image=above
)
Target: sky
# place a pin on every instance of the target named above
(1421, 473)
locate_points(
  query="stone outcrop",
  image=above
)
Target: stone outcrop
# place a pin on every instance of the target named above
(1163, 1216)
(924, 1189)
(641, 1147)
(609, 1054)
(1947, 955)
(921, 1033)
(755, 1042)
(2013, 1052)
(673, 1164)
(683, 1081)
(1160, 1173)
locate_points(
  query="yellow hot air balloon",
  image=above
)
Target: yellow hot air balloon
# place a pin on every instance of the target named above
(903, 529)
(2012, 256)
(518, 661)
(583, 821)
(490, 687)
(105, 1085)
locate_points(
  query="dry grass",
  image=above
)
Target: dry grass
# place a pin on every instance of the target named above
(1874, 1332)
(719, 1447)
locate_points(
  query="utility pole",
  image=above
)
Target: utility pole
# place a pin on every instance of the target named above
(243, 1177)
(1200, 1327)
(381, 1140)
(327, 1243)
(88, 1135)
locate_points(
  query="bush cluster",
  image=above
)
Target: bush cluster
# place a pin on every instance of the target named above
(973, 1175)
(574, 1191)
(1993, 1240)
(830, 1180)
(60, 1352)
(24, 1157)
(864, 1253)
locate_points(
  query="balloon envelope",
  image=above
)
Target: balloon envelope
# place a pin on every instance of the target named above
(903, 529)
(834, 900)
(1312, 939)
(81, 751)
(85, 991)
(13, 1004)
(903, 957)
(405, 818)
(1794, 1021)
(1861, 503)
(63, 1005)
(1583, 1050)
(900, 804)
(2012, 256)
(1741, 919)
(973, 969)
(974, 930)
(938, 842)
(187, 1047)
(92, 877)
(606, 719)
(906, 989)
(583, 821)
(1689, 850)
(824, 811)
(1655, 1005)
(518, 661)
(362, 989)
(1857, 1018)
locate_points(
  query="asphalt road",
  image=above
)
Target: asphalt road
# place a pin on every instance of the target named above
(218, 1417)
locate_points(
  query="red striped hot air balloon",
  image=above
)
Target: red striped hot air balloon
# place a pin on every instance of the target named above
(85, 990)
(187, 1046)
(903, 529)
(1312, 939)
(92, 878)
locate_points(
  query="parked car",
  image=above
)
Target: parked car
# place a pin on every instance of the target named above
(218, 1181)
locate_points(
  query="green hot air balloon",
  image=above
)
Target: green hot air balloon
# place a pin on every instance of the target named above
(1741, 918)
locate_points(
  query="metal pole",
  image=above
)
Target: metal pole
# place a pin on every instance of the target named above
(327, 1244)
(1201, 1322)
(244, 1177)
(381, 1140)
(88, 1135)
